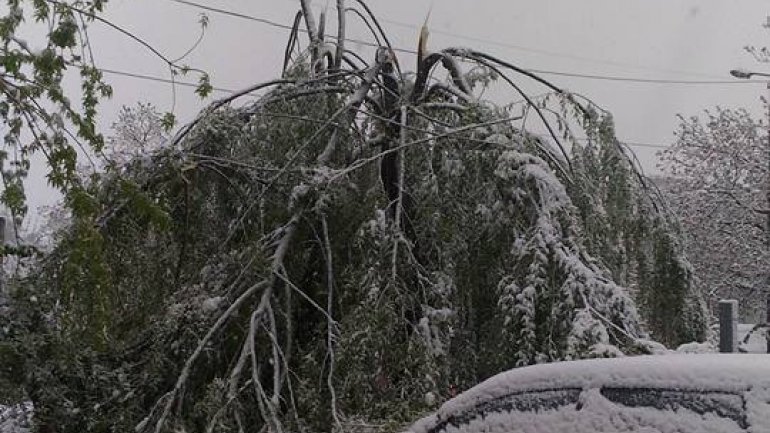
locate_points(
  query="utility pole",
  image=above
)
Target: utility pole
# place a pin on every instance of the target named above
(767, 215)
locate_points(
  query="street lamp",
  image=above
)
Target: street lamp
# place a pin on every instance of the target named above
(744, 74)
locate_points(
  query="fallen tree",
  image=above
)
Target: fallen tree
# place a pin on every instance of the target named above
(348, 250)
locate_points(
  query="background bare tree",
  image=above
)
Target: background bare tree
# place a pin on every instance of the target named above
(717, 186)
(138, 131)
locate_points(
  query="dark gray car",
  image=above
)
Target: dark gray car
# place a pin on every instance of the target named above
(652, 394)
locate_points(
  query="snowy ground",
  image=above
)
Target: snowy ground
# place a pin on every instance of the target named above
(15, 419)
(756, 343)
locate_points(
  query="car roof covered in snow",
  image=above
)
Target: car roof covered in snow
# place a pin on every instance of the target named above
(691, 372)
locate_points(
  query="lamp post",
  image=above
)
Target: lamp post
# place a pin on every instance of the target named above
(743, 74)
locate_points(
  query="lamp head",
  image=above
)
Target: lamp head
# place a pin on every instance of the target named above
(740, 73)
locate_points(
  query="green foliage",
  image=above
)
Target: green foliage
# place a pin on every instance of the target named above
(168, 121)
(494, 254)
(628, 227)
(679, 310)
(65, 33)
(38, 112)
(38, 115)
(204, 86)
(13, 196)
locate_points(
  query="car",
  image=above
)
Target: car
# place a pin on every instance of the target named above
(677, 393)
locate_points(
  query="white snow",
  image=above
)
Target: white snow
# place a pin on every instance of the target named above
(696, 347)
(744, 374)
(653, 347)
(16, 419)
(212, 304)
(756, 343)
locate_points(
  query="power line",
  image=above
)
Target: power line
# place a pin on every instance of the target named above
(277, 24)
(537, 71)
(159, 79)
(643, 80)
(650, 145)
(586, 76)
(273, 23)
(626, 143)
(234, 14)
(545, 52)
(224, 90)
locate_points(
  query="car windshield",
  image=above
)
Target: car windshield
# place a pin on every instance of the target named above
(518, 402)
(723, 404)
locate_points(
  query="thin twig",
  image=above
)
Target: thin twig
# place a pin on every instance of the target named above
(330, 328)
(400, 200)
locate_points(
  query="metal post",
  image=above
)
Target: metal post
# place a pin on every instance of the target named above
(728, 326)
(2, 256)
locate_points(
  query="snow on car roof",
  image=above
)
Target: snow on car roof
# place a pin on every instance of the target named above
(696, 372)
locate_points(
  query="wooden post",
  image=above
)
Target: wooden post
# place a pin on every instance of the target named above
(728, 326)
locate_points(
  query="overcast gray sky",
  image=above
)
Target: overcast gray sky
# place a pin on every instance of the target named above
(649, 39)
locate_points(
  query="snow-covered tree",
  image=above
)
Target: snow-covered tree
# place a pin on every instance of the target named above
(718, 187)
(349, 249)
(138, 131)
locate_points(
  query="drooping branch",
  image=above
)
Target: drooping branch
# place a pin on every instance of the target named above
(292, 42)
(534, 106)
(340, 34)
(362, 162)
(379, 27)
(425, 67)
(187, 369)
(367, 23)
(473, 54)
(310, 24)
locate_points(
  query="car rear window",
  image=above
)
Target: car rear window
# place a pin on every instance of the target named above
(724, 404)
